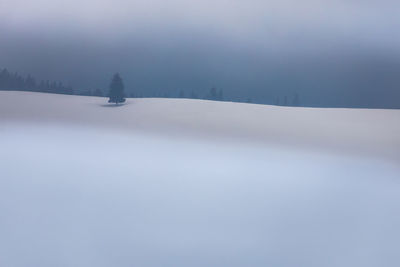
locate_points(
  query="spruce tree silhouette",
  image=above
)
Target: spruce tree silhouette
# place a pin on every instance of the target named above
(116, 90)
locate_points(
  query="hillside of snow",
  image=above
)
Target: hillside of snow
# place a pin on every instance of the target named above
(179, 182)
(362, 131)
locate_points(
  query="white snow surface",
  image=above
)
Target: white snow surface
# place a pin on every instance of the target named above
(362, 131)
(175, 182)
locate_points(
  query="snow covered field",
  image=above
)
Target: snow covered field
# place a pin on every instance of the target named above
(164, 182)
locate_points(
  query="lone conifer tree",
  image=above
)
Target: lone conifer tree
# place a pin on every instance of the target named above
(116, 90)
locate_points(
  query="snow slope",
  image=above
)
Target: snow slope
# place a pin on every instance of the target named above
(164, 182)
(363, 131)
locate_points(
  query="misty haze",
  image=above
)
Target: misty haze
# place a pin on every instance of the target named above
(199, 133)
(333, 54)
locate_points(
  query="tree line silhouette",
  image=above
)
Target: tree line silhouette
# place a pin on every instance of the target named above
(15, 82)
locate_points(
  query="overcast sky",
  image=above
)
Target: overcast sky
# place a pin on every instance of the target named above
(253, 46)
(376, 22)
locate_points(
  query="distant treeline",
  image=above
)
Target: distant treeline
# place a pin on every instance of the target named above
(15, 82)
(213, 94)
(218, 95)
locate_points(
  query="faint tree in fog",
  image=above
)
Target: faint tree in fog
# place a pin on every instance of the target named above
(296, 100)
(181, 94)
(213, 94)
(285, 101)
(30, 82)
(220, 95)
(116, 90)
(193, 95)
